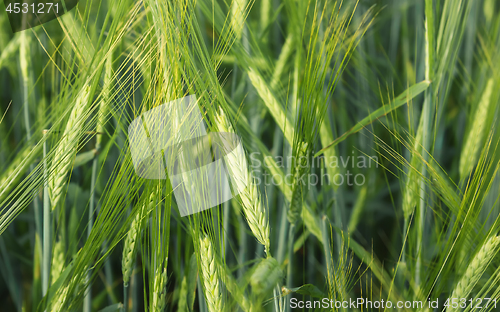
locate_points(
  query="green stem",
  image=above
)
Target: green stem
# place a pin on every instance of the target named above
(328, 253)
(46, 225)
(289, 280)
(427, 115)
(125, 298)
(87, 303)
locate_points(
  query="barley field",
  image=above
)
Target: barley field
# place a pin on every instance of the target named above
(362, 172)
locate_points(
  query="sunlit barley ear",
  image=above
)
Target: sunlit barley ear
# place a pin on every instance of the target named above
(411, 192)
(10, 49)
(238, 17)
(67, 147)
(272, 104)
(59, 299)
(470, 152)
(24, 55)
(475, 270)
(160, 291)
(129, 248)
(296, 204)
(105, 101)
(57, 262)
(63, 296)
(250, 196)
(211, 278)
(183, 305)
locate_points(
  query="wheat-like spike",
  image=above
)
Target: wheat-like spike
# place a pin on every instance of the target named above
(16, 168)
(286, 51)
(57, 262)
(266, 275)
(105, 100)
(24, 55)
(10, 48)
(238, 10)
(475, 269)
(295, 210)
(160, 291)
(250, 196)
(210, 276)
(182, 305)
(62, 295)
(489, 10)
(66, 149)
(272, 104)
(129, 248)
(469, 155)
(412, 190)
(60, 299)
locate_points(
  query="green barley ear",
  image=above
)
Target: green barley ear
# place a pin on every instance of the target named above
(489, 10)
(59, 299)
(160, 291)
(182, 305)
(296, 204)
(105, 101)
(57, 262)
(67, 147)
(469, 155)
(210, 275)
(238, 10)
(63, 296)
(250, 196)
(475, 269)
(10, 48)
(411, 192)
(272, 104)
(283, 59)
(129, 248)
(24, 55)
(267, 274)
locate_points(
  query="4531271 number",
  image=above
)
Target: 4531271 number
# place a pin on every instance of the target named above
(39, 8)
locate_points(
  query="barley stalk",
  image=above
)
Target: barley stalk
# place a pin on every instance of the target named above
(469, 155)
(66, 148)
(475, 269)
(210, 276)
(250, 196)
